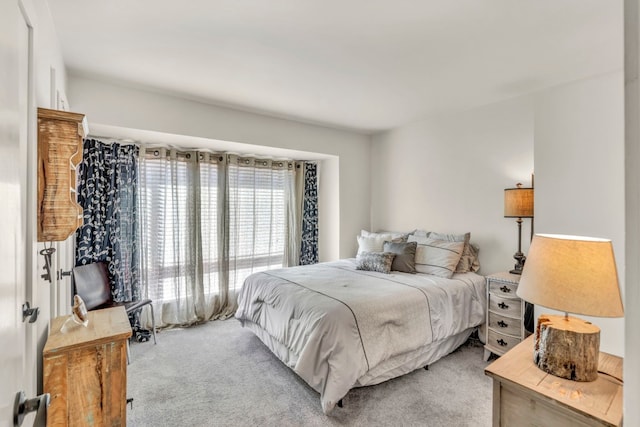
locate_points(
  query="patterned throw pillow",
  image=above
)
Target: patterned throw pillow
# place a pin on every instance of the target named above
(405, 259)
(437, 257)
(375, 261)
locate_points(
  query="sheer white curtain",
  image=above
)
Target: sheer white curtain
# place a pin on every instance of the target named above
(207, 221)
(258, 202)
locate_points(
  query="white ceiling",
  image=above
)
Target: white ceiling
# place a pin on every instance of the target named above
(365, 65)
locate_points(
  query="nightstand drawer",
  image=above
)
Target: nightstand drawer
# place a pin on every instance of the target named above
(502, 289)
(505, 307)
(519, 409)
(505, 325)
(501, 341)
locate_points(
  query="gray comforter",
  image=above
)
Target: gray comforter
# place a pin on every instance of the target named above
(335, 325)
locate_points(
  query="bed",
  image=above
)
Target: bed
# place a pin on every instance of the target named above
(339, 328)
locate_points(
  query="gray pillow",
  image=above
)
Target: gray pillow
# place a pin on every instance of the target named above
(405, 259)
(375, 261)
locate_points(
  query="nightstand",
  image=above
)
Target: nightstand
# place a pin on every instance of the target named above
(505, 312)
(524, 395)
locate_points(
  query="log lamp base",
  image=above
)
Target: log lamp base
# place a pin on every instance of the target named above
(567, 347)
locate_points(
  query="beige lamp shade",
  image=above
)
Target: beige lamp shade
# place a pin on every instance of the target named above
(572, 274)
(518, 202)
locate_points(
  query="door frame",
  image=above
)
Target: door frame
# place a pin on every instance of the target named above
(32, 295)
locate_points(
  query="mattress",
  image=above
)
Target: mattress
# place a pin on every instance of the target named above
(339, 328)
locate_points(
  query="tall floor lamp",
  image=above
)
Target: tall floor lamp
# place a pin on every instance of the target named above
(518, 203)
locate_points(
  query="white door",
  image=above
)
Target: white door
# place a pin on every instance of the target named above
(17, 364)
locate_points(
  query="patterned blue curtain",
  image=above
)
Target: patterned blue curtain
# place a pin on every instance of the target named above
(309, 244)
(107, 181)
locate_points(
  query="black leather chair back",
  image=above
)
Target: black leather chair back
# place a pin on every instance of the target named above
(92, 284)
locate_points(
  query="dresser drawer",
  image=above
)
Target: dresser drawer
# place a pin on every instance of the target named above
(502, 289)
(500, 341)
(505, 325)
(505, 307)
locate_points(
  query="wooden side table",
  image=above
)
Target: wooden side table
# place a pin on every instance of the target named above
(85, 370)
(524, 395)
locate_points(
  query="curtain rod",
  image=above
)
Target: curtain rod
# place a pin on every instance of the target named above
(151, 145)
(110, 140)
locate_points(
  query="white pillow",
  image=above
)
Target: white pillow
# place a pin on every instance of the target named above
(371, 244)
(389, 235)
(437, 257)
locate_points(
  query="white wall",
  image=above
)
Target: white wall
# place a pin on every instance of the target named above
(448, 174)
(113, 105)
(579, 158)
(632, 213)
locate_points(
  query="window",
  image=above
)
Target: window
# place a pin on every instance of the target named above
(208, 221)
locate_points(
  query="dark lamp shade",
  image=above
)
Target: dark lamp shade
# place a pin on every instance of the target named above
(572, 274)
(518, 203)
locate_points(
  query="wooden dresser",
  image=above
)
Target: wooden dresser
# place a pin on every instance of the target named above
(505, 314)
(85, 370)
(524, 395)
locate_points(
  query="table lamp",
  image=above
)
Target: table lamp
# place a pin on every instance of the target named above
(518, 203)
(575, 275)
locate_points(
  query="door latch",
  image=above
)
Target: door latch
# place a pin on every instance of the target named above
(22, 406)
(28, 312)
(62, 274)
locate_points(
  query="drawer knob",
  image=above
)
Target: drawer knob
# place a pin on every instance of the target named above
(501, 342)
(505, 289)
(502, 324)
(503, 306)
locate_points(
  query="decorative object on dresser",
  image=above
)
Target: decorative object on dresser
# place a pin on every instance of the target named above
(505, 311)
(85, 370)
(60, 136)
(518, 203)
(524, 396)
(576, 275)
(78, 315)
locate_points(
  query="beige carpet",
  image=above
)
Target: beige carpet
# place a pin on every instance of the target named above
(219, 374)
